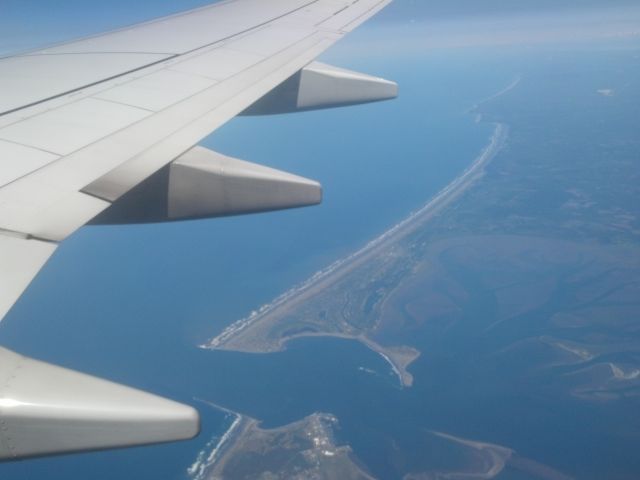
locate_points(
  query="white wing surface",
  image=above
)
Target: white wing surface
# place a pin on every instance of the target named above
(103, 129)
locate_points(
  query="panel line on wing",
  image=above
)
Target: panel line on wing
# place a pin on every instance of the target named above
(72, 127)
(124, 104)
(17, 132)
(255, 27)
(78, 89)
(113, 77)
(61, 54)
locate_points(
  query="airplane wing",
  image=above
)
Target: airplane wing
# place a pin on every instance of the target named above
(105, 130)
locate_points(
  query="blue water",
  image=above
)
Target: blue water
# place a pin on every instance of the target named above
(131, 304)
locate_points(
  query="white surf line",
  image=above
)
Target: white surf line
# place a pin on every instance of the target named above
(497, 140)
(200, 467)
(516, 81)
(393, 367)
(620, 374)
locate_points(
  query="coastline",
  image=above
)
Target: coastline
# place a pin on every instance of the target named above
(310, 441)
(238, 336)
(216, 448)
(334, 272)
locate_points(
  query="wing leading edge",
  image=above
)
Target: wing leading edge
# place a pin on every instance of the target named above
(104, 130)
